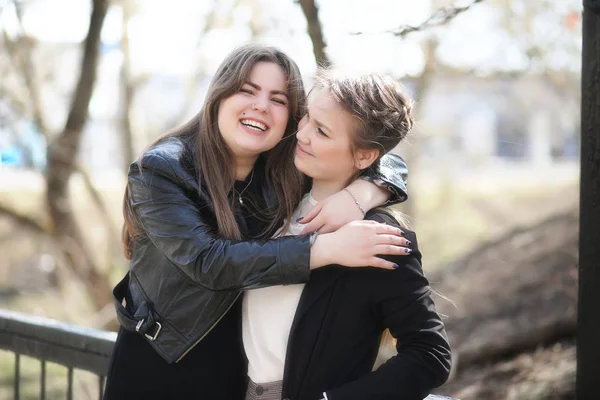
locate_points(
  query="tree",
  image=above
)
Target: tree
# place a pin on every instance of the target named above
(588, 345)
(62, 151)
(315, 31)
(61, 163)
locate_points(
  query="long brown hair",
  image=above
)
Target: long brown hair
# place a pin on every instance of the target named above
(215, 162)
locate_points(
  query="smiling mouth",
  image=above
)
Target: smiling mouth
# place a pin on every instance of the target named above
(302, 151)
(255, 125)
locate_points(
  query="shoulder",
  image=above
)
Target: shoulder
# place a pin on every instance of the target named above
(168, 150)
(384, 216)
(168, 156)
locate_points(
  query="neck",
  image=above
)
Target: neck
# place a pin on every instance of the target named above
(321, 189)
(243, 167)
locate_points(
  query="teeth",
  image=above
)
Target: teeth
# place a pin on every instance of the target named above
(254, 124)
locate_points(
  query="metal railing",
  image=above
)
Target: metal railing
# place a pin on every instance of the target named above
(51, 341)
(74, 347)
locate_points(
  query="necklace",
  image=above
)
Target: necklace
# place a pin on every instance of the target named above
(243, 190)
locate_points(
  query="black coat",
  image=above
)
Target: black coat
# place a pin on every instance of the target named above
(337, 329)
(184, 282)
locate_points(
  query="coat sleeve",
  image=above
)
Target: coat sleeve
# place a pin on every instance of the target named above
(170, 219)
(423, 362)
(391, 173)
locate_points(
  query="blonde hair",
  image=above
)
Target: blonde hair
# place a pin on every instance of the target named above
(383, 113)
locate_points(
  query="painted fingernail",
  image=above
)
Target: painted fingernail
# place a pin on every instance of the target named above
(407, 251)
(408, 242)
(299, 219)
(396, 266)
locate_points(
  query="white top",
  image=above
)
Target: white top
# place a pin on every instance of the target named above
(267, 316)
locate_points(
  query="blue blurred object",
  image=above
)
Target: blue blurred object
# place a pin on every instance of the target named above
(11, 156)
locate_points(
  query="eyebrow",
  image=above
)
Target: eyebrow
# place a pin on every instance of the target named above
(255, 86)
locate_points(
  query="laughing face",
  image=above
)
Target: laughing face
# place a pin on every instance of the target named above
(254, 119)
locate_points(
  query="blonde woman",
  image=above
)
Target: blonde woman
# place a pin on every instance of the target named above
(321, 339)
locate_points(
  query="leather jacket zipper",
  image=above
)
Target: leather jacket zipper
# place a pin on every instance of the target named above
(210, 329)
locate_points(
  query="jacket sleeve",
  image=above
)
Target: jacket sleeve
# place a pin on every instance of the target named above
(391, 173)
(423, 362)
(170, 219)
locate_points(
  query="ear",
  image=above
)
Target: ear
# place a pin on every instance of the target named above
(364, 158)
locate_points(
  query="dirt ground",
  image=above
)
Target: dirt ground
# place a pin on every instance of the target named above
(511, 318)
(544, 373)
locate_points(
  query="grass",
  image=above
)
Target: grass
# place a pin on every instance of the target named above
(85, 384)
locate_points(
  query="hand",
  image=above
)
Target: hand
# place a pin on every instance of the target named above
(330, 214)
(357, 244)
(339, 209)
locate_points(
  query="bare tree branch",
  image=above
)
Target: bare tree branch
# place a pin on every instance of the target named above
(61, 155)
(23, 220)
(97, 199)
(15, 99)
(422, 85)
(24, 64)
(128, 88)
(440, 17)
(315, 31)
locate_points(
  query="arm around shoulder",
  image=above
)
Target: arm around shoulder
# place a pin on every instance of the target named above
(390, 173)
(172, 221)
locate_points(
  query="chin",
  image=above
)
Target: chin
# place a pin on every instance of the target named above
(299, 166)
(255, 149)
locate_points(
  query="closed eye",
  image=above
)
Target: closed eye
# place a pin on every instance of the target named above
(282, 102)
(321, 132)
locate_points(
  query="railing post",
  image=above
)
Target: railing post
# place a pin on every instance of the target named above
(70, 383)
(588, 316)
(17, 375)
(43, 380)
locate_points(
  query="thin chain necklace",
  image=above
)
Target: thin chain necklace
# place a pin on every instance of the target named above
(243, 190)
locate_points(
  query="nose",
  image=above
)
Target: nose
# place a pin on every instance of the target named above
(260, 105)
(302, 134)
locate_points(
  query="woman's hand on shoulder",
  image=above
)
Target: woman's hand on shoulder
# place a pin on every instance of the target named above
(357, 244)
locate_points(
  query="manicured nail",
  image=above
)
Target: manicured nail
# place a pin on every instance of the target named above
(396, 266)
(407, 251)
(408, 242)
(299, 219)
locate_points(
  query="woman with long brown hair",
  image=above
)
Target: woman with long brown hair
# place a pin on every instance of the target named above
(200, 207)
(320, 340)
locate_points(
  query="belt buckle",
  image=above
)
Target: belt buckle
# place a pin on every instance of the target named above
(153, 338)
(150, 338)
(139, 325)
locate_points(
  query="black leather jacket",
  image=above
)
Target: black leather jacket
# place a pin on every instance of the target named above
(183, 278)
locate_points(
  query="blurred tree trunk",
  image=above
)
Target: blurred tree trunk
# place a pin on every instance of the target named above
(315, 31)
(127, 90)
(411, 156)
(588, 345)
(62, 154)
